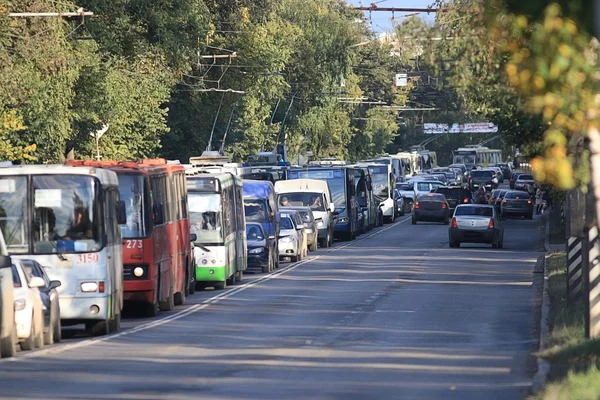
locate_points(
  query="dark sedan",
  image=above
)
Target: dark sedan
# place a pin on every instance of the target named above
(258, 248)
(517, 203)
(49, 295)
(454, 196)
(432, 207)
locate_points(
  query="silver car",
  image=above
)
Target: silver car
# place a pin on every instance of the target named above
(475, 223)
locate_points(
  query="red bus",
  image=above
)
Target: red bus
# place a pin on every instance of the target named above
(152, 272)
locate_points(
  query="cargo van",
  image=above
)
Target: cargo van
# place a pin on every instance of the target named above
(311, 193)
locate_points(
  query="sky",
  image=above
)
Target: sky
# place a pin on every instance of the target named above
(382, 21)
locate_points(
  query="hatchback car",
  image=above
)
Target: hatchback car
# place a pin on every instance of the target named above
(50, 299)
(432, 207)
(291, 238)
(474, 223)
(259, 248)
(29, 315)
(517, 203)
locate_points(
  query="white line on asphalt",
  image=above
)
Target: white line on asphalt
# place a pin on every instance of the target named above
(190, 310)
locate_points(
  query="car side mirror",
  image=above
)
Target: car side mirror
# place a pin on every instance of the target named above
(54, 284)
(299, 227)
(272, 237)
(193, 237)
(36, 282)
(121, 214)
(5, 262)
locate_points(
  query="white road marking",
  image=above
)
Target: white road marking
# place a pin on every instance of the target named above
(190, 310)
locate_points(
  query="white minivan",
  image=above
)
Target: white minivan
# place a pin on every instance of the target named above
(8, 330)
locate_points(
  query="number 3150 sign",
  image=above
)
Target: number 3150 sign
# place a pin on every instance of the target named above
(88, 258)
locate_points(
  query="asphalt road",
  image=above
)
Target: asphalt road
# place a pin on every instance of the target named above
(396, 314)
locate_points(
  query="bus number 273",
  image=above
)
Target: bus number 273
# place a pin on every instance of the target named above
(133, 244)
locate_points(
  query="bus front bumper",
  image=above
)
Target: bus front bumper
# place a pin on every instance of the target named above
(84, 307)
(210, 273)
(142, 291)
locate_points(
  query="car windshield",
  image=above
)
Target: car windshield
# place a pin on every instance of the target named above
(13, 213)
(254, 233)
(205, 217)
(302, 199)
(16, 277)
(67, 216)
(474, 210)
(255, 210)
(132, 192)
(517, 195)
(286, 223)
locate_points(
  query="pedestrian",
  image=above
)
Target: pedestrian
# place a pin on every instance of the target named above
(538, 201)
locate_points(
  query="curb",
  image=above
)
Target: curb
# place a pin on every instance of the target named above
(543, 366)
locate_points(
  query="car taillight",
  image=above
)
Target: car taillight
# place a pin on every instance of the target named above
(491, 224)
(505, 201)
(469, 177)
(466, 200)
(454, 223)
(416, 205)
(492, 200)
(528, 201)
(444, 206)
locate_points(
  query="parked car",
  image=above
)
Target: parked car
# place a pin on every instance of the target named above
(8, 329)
(259, 247)
(455, 196)
(474, 223)
(517, 203)
(292, 237)
(50, 300)
(310, 226)
(431, 207)
(29, 315)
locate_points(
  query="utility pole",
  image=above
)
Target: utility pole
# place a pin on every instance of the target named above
(78, 13)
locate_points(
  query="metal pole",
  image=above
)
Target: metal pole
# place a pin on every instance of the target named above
(284, 118)
(222, 149)
(208, 146)
(51, 14)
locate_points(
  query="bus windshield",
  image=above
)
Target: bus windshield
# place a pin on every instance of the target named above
(133, 193)
(67, 216)
(467, 159)
(336, 180)
(13, 213)
(206, 217)
(255, 210)
(381, 183)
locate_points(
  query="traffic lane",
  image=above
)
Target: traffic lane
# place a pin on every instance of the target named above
(336, 327)
(133, 320)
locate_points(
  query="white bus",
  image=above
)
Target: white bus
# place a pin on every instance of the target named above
(383, 182)
(476, 156)
(218, 220)
(67, 219)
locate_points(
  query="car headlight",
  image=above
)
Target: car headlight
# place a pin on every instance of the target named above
(89, 287)
(20, 304)
(258, 250)
(287, 239)
(138, 271)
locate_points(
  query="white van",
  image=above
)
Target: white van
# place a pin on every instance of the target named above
(311, 193)
(8, 331)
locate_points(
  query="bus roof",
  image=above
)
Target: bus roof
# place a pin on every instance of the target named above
(225, 178)
(147, 167)
(105, 176)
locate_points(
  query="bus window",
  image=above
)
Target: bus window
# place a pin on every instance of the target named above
(13, 214)
(133, 194)
(205, 215)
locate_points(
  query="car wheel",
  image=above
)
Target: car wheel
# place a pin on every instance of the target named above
(97, 328)
(57, 326)
(8, 345)
(269, 266)
(27, 344)
(49, 335)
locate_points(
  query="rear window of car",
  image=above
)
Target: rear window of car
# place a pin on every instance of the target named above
(453, 193)
(474, 210)
(423, 186)
(525, 177)
(404, 186)
(482, 174)
(431, 197)
(517, 195)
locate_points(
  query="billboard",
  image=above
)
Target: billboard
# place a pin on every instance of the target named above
(471, 127)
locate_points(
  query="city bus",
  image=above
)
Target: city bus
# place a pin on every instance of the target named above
(217, 216)
(67, 219)
(472, 156)
(150, 237)
(384, 183)
(176, 211)
(343, 195)
(364, 196)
